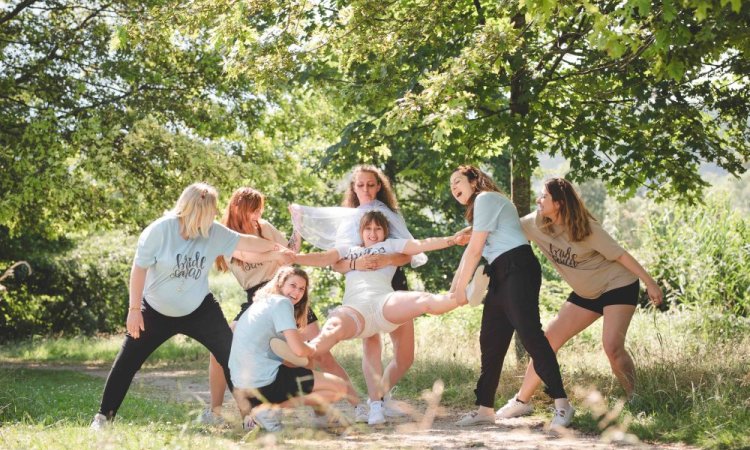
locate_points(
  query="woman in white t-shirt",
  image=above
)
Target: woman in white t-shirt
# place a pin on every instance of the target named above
(169, 289)
(253, 270)
(369, 189)
(512, 302)
(261, 382)
(370, 304)
(604, 278)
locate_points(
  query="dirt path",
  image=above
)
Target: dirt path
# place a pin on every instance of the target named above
(429, 427)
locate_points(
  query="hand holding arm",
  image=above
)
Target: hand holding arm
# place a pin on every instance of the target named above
(134, 322)
(652, 288)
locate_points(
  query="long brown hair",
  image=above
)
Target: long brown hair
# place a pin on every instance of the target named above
(274, 287)
(573, 213)
(243, 201)
(385, 194)
(484, 183)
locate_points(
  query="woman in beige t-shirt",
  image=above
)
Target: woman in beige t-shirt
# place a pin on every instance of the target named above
(603, 276)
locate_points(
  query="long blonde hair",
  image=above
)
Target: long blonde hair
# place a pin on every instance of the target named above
(196, 210)
(385, 194)
(243, 200)
(483, 183)
(574, 215)
(274, 287)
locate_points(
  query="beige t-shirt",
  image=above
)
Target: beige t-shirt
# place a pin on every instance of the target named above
(588, 266)
(252, 274)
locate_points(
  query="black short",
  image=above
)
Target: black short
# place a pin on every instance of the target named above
(311, 317)
(290, 382)
(626, 295)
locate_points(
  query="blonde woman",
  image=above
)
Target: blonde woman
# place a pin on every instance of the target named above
(169, 289)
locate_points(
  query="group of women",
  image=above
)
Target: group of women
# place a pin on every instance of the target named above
(368, 240)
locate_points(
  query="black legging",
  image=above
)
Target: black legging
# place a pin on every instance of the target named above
(512, 303)
(206, 325)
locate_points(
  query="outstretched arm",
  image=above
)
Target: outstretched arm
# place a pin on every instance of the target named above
(415, 246)
(318, 259)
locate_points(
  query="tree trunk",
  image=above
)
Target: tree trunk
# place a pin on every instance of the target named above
(520, 170)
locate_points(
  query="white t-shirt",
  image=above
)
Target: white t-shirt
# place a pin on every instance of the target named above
(361, 283)
(177, 268)
(252, 363)
(493, 212)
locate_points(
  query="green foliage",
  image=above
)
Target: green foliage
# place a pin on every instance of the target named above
(700, 254)
(80, 291)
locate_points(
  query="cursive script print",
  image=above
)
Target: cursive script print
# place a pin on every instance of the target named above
(563, 257)
(189, 266)
(364, 251)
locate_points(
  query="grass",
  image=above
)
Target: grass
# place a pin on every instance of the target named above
(693, 378)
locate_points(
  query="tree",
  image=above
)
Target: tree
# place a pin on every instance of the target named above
(635, 93)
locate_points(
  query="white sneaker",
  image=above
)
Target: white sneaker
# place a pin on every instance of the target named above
(562, 417)
(208, 417)
(268, 419)
(514, 408)
(377, 413)
(99, 423)
(477, 288)
(361, 413)
(474, 418)
(392, 408)
(282, 350)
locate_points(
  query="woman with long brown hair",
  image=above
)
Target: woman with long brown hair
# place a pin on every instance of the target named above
(603, 276)
(512, 302)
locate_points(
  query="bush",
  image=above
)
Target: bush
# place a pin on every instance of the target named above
(700, 254)
(83, 290)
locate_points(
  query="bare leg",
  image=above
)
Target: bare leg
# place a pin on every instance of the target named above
(403, 306)
(403, 355)
(337, 328)
(217, 384)
(327, 363)
(242, 398)
(570, 320)
(372, 366)
(616, 322)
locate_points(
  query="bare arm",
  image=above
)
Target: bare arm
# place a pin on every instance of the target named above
(282, 256)
(134, 322)
(630, 263)
(255, 244)
(414, 246)
(375, 262)
(469, 261)
(318, 259)
(298, 346)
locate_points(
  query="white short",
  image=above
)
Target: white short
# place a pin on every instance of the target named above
(370, 306)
